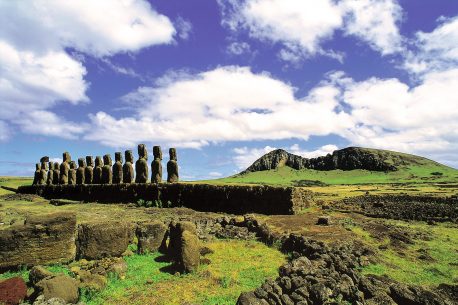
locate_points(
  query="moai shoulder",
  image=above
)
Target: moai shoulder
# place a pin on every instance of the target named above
(80, 177)
(72, 173)
(127, 168)
(156, 165)
(172, 166)
(141, 166)
(107, 174)
(117, 168)
(89, 170)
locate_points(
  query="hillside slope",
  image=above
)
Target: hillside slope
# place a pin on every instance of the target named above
(353, 165)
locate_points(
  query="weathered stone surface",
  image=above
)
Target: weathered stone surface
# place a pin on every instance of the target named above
(38, 273)
(98, 170)
(43, 173)
(43, 239)
(36, 174)
(127, 168)
(89, 170)
(172, 166)
(12, 291)
(176, 231)
(50, 175)
(117, 168)
(150, 236)
(60, 286)
(189, 258)
(56, 174)
(156, 165)
(95, 282)
(141, 166)
(80, 176)
(107, 174)
(64, 168)
(103, 239)
(248, 298)
(324, 220)
(72, 173)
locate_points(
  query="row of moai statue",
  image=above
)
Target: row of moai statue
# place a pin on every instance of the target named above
(104, 172)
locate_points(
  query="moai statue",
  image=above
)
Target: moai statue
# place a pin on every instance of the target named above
(50, 174)
(72, 173)
(43, 173)
(107, 174)
(117, 168)
(89, 170)
(56, 173)
(37, 173)
(141, 166)
(172, 166)
(156, 165)
(98, 170)
(80, 178)
(64, 168)
(127, 168)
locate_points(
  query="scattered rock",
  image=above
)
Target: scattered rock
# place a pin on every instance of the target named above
(206, 250)
(12, 291)
(95, 282)
(60, 286)
(150, 236)
(324, 220)
(249, 298)
(40, 300)
(39, 273)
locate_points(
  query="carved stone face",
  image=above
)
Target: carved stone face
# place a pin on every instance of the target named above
(89, 161)
(44, 165)
(72, 165)
(129, 156)
(37, 166)
(118, 157)
(157, 152)
(142, 153)
(107, 159)
(173, 154)
(81, 162)
(56, 165)
(98, 161)
(66, 157)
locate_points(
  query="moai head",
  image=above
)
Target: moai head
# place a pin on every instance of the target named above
(173, 154)
(129, 156)
(44, 159)
(37, 166)
(89, 161)
(81, 162)
(157, 152)
(107, 159)
(142, 153)
(66, 157)
(56, 165)
(44, 166)
(72, 165)
(118, 157)
(98, 161)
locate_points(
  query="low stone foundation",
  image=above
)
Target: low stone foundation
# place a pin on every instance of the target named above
(233, 199)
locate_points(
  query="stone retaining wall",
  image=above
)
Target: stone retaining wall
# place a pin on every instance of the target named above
(233, 199)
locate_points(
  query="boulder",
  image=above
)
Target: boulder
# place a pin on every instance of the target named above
(150, 236)
(249, 298)
(189, 258)
(12, 291)
(103, 239)
(43, 239)
(60, 286)
(176, 230)
(39, 273)
(94, 282)
(324, 220)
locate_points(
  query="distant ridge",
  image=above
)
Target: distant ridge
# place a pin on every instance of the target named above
(349, 158)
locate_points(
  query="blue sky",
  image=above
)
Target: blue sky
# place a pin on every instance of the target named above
(226, 81)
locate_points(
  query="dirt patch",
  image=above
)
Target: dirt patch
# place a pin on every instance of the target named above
(20, 197)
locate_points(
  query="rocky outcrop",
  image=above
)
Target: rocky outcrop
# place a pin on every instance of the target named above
(43, 239)
(345, 159)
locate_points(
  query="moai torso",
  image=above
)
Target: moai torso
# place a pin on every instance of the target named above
(156, 165)
(89, 170)
(127, 168)
(80, 178)
(72, 173)
(98, 170)
(117, 168)
(56, 174)
(172, 166)
(37, 173)
(141, 166)
(42, 177)
(50, 174)
(107, 174)
(64, 168)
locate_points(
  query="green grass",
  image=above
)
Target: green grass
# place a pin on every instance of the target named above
(13, 182)
(24, 272)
